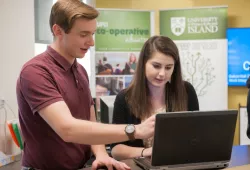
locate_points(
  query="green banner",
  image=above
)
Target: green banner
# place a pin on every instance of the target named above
(119, 30)
(194, 24)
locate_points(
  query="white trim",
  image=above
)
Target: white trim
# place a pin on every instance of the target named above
(90, 2)
(152, 23)
(243, 123)
(92, 80)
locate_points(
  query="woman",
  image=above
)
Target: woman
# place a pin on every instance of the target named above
(131, 65)
(157, 86)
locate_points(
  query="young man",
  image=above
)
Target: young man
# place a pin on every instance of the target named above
(56, 111)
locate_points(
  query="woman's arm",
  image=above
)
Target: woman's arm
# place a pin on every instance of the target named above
(122, 115)
(121, 152)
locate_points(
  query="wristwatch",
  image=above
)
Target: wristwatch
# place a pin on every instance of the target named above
(130, 131)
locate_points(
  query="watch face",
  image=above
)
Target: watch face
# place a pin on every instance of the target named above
(130, 128)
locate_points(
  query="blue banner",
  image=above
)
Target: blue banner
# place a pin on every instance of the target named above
(238, 56)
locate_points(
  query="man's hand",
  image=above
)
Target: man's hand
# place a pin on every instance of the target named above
(106, 160)
(147, 152)
(146, 129)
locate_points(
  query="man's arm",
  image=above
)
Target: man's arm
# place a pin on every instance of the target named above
(102, 157)
(121, 115)
(70, 129)
(40, 92)
(98, 150)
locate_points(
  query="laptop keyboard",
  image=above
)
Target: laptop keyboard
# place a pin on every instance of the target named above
(144, 161)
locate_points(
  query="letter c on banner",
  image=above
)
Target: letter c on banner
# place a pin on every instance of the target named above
(246, 65)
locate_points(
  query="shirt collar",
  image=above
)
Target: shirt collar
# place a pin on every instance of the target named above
(60, 59)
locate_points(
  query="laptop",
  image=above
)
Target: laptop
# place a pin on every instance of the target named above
(191, 140)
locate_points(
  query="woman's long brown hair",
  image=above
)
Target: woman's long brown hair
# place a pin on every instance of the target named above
(137, 94)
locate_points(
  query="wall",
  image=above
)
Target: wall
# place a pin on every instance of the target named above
(16, 47)
(238, 13)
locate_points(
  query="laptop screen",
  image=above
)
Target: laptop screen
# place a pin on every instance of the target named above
(193, 137)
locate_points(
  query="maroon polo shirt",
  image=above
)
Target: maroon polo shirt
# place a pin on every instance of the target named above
(46, 79)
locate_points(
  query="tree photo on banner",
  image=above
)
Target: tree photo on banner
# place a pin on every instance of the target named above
(200, 35)
(119, 38)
